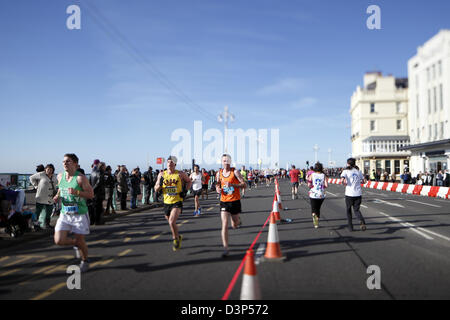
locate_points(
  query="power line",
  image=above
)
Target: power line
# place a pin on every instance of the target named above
(110, 29)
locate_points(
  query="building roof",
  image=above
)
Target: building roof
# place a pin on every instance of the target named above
(385, 138)
(427, 145)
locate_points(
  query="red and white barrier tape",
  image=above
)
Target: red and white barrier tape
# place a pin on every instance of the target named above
(426, 191)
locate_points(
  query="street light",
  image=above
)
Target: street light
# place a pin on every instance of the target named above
(225, 117)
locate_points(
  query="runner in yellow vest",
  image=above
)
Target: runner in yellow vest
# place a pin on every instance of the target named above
(171, 183)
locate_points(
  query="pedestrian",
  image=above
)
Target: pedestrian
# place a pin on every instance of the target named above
(197, 182)
(229, 181)
(446, 178)
(46, 185)
(97, 181)
(122, 187)
(135, 187)
(319, 182)
(244, 176)
(110, 184)
(149, 183)
(440, 179)
(74, 189)
(174, 185)
(294, 175)
(352, 178)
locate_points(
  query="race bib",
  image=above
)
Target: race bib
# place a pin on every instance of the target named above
(71, 209)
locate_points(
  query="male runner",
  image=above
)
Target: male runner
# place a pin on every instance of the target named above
(244, 176)
(294, 174)
(171, 183)
(229, 181)
(197, 182)
(205, 182)
(74, 189)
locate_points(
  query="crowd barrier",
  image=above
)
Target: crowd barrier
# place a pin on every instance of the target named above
(419, 190)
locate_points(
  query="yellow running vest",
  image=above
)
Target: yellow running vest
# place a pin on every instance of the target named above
(172, 186)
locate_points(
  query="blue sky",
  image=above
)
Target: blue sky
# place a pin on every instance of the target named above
(289, 65)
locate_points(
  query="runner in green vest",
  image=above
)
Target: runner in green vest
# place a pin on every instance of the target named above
(244, 175)
(74, 189)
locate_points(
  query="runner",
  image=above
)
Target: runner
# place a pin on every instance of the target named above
(74, 189)
(250, 178)
(229, 181)
(317, 193)
(308, 173)
(197, 188)
(352, 178)
(294, 174)
(171, 183)
(244, 176)
(205, 182)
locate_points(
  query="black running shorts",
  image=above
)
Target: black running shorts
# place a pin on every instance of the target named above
(168, 207)
(233, 207)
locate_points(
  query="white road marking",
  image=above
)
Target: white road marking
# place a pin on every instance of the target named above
(331, 193)
(364, 206)
(259, 253)
(427, 204)
(409, 225)
(388, 203)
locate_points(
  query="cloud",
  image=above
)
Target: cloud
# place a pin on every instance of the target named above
(288, 85)
(303, 103)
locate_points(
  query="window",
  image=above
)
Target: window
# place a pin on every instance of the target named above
(418, 134)
(372, 107)
(435, 131)
(397, 166)
(429, 101)
(442, 130)
(440, 68)
(434, 99)
(372, 125)
(417, 106)
(399, 124)
(387, 166)
(429, 132)
(441, 97)
(398, 107)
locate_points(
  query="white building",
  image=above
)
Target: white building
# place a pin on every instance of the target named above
(379, 113)
(429, 105)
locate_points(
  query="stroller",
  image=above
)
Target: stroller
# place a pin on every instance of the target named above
(14, 223)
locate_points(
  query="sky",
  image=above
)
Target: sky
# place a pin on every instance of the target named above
(136, 71)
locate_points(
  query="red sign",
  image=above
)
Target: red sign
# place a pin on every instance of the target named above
(159, 160)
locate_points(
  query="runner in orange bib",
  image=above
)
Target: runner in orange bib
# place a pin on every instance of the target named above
(229, 181)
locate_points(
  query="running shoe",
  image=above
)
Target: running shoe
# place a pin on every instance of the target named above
(76, 252)
(293, 197)
(363, 227)
(177, 243)
(315, 221)
(225, 253)
(195, 213)
(84, 266)
(199, 211)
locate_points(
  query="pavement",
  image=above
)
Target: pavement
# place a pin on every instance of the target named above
(407, 238)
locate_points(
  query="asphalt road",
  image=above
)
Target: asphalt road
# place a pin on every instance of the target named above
(407, 237)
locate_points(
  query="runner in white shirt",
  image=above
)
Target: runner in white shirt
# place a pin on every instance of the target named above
(197, 181)
(352, 179)
(319, 182)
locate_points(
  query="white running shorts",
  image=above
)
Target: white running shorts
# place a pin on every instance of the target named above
(76, 223)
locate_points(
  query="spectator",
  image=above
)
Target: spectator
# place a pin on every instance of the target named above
(110, 184)
(97, 181)
(135, 189)
(122, 187)
(440, 179)
(40, 168)
(446, 178)
(46, 183)
(149, 182)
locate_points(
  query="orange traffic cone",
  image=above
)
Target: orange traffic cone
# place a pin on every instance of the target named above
(250, 285)
(275, 210)
(278, 195)
(273, 250)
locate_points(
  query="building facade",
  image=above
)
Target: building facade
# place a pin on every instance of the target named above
(429, 107)
(379, 113)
